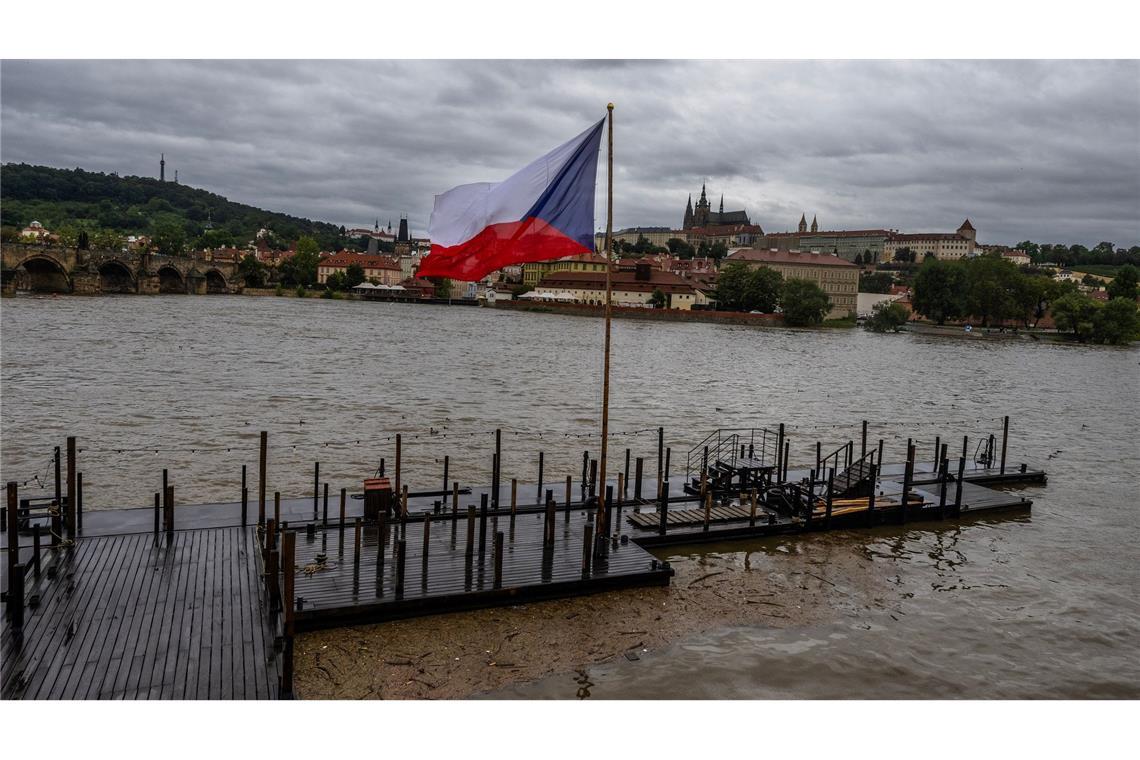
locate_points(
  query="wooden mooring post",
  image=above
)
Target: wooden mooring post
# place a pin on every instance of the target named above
(399, 453)
(325, 508)
(668, 455)
(625, 493)
(497, 482)
(446, 466)
(943, 476)
(593, 489)
(780, 454)
(482, 526)
(514, 497)
(663, 508)
(79, 501)
(638, 474)
(244, 498)
(569, 496)
(69, 513)
(660, 458)
(469, 551)
(541, 462)
(13, 511)
(863, 445)
(316, 487)
(587, 548)
(261, 478)
(1004, 440)
(874, 472)
(277, 507)
(169, 514)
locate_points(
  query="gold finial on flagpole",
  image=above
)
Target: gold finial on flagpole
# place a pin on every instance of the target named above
(601, 528)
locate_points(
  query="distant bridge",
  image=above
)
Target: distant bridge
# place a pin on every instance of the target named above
(55, 269)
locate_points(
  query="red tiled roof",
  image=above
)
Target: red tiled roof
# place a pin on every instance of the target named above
(967, 226)
(788, 257)
(899, 237)
(345, 260)
(621, 279)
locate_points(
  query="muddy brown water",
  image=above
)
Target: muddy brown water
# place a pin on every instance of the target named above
(1039, 604)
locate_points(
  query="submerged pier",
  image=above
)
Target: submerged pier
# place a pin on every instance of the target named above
(203, 601)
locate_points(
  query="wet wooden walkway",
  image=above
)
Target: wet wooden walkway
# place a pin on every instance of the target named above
(129, 617)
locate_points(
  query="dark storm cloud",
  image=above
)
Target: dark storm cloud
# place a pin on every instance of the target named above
(1044, 150)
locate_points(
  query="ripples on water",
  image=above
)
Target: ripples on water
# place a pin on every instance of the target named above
(1032, 606)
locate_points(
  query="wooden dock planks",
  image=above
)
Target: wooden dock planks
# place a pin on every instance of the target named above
(129, 617)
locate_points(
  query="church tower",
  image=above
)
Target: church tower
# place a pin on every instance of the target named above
(162, 168)
(701, 215)
(688, 224)
(803, 223)
(814, 224)
(722, 203)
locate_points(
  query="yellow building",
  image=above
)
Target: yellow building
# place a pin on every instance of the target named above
(941, 245)
(583, 262)
(837, 277)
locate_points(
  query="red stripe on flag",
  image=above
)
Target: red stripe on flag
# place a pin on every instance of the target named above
(497, 246)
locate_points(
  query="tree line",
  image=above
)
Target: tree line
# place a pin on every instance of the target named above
(741, 287)
(993, 292)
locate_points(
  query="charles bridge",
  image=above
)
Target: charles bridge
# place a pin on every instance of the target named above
(56, 269)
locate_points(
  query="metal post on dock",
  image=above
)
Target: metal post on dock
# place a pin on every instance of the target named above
(59, 482)
(277, 507)
(1004, 440)
(325, 507)
(660, 457)
(958, 487)
(625, 493)
(780, 453)
(289, 606)
(514, 496)
(157, 503)
(455, 499)
(404, 503)
(668, 455)
(69, 513)
(381, 467)
(908, 475)
(585, 473)
(587, 548)
(497, 482)
(637, 477)
(943, 473)
(356, 542)
(663, 507)
(401, 557)
(316, 488)
(244, 498)
(470, 548)
(446, 466)
(818, 454)
(787, 453)
(497, 581)
(937, 447)
(169, 514)
(541, 462)
(399, 452)
(863, 445)
(874, 486)
(850, 454)
(261, 478)
(548, 526)
(13, 511)
(879, 454)
(569, 492)
(343, 504)
(482, 525)
(79, 501)
(620, 490)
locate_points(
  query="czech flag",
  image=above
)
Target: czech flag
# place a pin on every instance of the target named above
(544, 211)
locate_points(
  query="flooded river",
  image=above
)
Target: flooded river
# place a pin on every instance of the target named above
(1031, 605)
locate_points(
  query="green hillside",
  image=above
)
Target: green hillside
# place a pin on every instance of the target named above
(67, 200)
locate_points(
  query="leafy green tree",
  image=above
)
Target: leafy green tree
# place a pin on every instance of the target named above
(804, 303)
(9, 234)
(741, 287)
(107, 240)
(1124, 284)
(302, 265)
(657, 299)
(858, 260)
(938, 290)
(1031, 297)
(718, 251)
(888, 316)
(1074, 312)
(169, 238)
(336, 281)
(252, 271)
(876, 282)
(989, 287)
(1116, 323)
(443, 286)
(680, 248)
(353, 276)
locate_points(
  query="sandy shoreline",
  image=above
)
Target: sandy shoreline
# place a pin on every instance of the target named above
(780, 584)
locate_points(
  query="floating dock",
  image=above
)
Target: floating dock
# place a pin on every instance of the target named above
(203, 601)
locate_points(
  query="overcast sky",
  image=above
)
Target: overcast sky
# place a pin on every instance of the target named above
(1043, 150)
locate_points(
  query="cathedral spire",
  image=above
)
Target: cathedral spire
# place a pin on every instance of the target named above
(803, 223)
(814, 224)
(722, 203)
(703, 192)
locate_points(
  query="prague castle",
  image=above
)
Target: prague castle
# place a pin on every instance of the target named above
(704, 216)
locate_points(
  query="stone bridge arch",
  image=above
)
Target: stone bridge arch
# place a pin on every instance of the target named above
(42, 273)
(171, 279)
(216, 282)
(115, 276)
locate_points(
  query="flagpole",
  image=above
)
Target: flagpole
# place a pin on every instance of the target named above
(601, 529)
